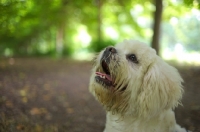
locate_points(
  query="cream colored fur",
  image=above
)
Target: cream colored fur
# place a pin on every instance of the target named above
(153, 90)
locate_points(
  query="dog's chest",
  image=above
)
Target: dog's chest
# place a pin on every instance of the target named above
(116, 124)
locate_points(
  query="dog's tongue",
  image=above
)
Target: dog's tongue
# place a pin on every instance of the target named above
(104, 75)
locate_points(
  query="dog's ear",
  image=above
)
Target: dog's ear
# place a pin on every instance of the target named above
(161, 89)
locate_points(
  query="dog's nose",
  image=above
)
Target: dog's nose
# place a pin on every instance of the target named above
(111, 49)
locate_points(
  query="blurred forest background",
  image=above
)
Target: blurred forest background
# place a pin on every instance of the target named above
(44, 88)
(77, 28)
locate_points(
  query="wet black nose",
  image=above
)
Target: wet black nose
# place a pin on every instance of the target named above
(108, 53)
(111, 49)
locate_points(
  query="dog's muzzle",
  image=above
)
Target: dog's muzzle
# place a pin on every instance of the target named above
(103, 75)
(108, 54)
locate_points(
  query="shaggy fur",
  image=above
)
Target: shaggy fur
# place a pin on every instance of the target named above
(138, 92)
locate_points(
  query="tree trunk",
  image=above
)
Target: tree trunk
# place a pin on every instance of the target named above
(156, 27)
(59, 40)
(99, 31)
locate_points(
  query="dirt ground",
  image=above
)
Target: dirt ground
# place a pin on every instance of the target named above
(47, 95)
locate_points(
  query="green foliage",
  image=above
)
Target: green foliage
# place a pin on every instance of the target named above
(31, 27)
(189, 35)
(192, 3)
(181, 25)
(97, 46)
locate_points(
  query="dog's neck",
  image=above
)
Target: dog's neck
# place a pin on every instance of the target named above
(165, 122)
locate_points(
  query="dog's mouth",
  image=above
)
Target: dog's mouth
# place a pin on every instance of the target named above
(106, 79)
(103, 75)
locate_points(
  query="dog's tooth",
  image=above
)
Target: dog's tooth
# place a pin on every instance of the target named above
(102, 76)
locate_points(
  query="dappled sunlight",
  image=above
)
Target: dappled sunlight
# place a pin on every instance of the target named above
(83, 55)
(112, 33)
(173, 20)
(196, 12)
(181, 55)
(8, 52)
(83, 37)
(180, 38)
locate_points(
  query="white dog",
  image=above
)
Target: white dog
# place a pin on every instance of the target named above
(137, 89)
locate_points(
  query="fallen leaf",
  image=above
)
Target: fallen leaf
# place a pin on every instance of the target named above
(22, 92)
(70, 110)
(20, 127)
(24, 100)
(35, 111)
(38, 128)
(9, 104)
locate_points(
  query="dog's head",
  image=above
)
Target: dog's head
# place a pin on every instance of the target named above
(131, 79)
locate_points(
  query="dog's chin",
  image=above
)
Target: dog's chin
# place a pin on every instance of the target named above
(103, 75)
(108, 87)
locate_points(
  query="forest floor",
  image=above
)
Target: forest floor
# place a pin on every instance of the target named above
(47, 95)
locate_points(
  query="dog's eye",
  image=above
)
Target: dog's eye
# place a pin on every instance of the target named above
(133, 58)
